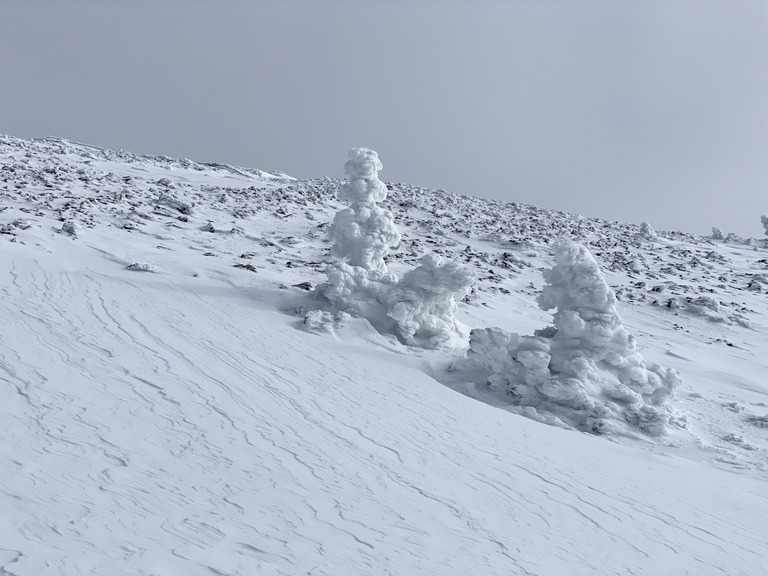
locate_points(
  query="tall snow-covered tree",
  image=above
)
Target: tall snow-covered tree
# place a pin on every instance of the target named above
(363, 233)
(420, 308)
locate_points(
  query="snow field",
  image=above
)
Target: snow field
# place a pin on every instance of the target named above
(176, 418)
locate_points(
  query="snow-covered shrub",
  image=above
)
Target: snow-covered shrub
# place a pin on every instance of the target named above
(764, 222)
(717, 234)
(706, 307)
(758, 283)
(647, 232)
(141, 267)
(357, 291)
(585, 370)
(321, 321)
(420, 309)
(24, 224)
(167, 200)
(71, 228)
(423, 304)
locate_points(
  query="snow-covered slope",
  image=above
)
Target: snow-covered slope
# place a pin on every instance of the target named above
(164, 411)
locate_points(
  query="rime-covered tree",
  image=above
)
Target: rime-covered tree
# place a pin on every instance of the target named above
(423, 304)
(647, 232)
(585, 370)
(363, 233)
(420, 309)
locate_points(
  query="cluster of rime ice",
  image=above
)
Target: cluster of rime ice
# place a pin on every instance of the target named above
(423, 304)
(732, 238)
(363, 233)
(420, 308)
(585, 371)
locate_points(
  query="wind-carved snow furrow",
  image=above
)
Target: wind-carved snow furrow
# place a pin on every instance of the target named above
(176, 425)
(304, 414)
(295, 455)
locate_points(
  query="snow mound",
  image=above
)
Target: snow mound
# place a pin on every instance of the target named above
(72, 229)
(141, 267)
(324, 322)
(585, 371)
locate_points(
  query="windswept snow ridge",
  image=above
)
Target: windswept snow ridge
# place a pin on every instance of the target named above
(165, 413)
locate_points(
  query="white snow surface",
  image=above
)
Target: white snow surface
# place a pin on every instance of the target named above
(166, 413)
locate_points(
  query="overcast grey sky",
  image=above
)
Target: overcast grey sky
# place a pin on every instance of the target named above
(624, 109)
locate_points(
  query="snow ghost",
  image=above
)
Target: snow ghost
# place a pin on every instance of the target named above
(647, 232)
(764, 221)
(363, 233)
(585, 370)
(424, 302)
(419, 309)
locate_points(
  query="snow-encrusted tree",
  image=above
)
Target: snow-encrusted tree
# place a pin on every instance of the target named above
(647, 232)
(764, 221)
(420, 309)
(363, 233)
(362, 236)
(423, 304)
(585, 370)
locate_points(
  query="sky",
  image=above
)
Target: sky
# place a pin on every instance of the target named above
(628, 110)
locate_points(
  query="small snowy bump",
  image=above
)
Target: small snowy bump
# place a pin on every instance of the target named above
(22, 223)
(141, 267)
(71, 228)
